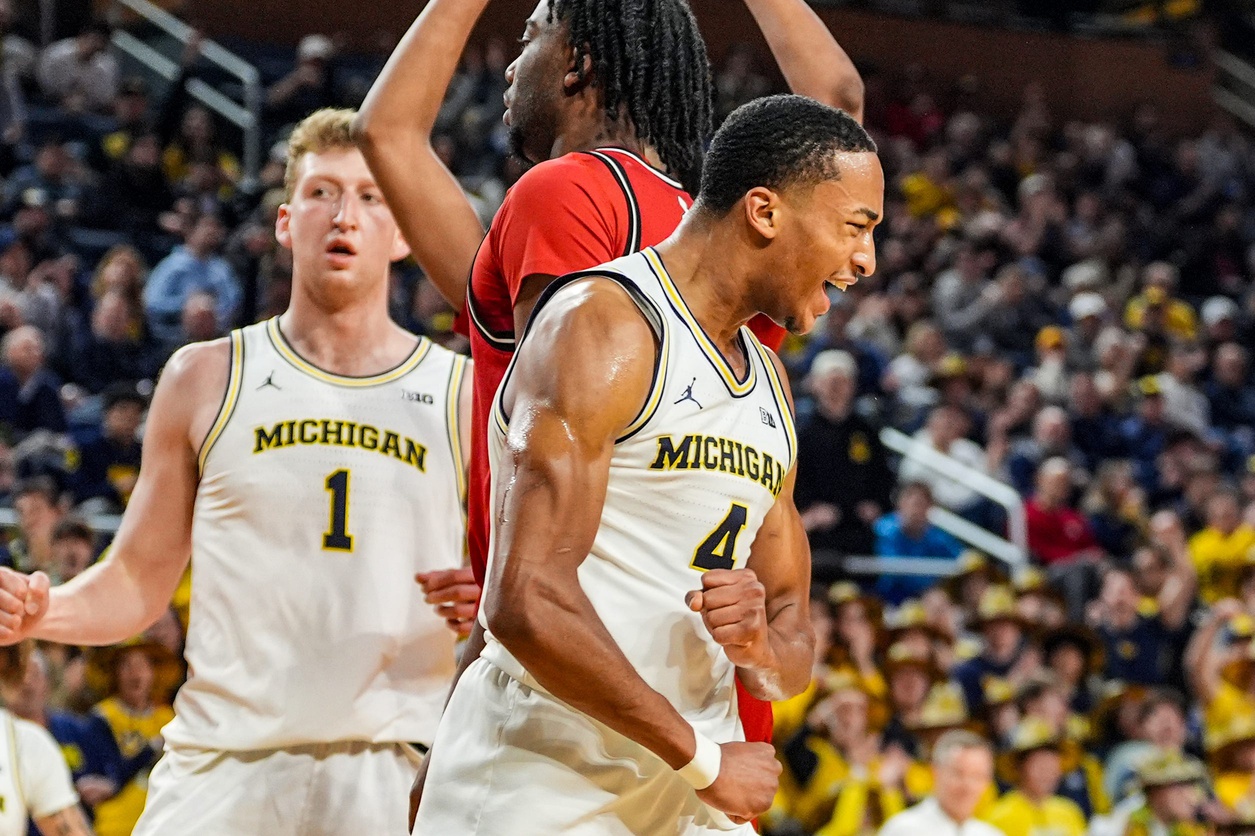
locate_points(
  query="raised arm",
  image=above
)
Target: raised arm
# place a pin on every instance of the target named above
(394, 131)
(812, 61)
(132, 586)
(566, 415)
(1203, 661)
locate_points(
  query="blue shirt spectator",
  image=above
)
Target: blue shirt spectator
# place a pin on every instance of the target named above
(192, 268)
(908, 533)
(30, 391)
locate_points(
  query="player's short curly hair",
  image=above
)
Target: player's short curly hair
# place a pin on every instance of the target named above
(649, 61)
(776, 142)
(323, 130)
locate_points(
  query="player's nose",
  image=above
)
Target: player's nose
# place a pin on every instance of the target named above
(864, 258)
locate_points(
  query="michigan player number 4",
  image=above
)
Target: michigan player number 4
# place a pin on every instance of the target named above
(337, 538)
(718, 550)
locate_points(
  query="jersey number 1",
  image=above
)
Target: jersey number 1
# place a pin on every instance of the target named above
(337, 537)
(718, 550)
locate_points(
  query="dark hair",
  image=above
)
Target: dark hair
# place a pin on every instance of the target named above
(41, 484)
(73, 528)
(649, 61)
(777, 141)
(1158, 697)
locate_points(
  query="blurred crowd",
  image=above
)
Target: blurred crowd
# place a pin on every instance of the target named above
(1067, 308)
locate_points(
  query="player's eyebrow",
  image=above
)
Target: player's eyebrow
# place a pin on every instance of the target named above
(872, 215)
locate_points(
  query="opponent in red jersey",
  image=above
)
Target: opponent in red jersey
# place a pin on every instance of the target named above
(574, 88)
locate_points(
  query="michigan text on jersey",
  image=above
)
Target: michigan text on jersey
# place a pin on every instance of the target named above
(334, 433)
(725, 455)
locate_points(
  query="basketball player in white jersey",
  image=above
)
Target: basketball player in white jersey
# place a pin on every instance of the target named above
(35, 781)
(311, 466)
(645, 542)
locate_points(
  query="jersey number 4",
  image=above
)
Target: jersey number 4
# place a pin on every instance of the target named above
(337, 538)
(718, 550)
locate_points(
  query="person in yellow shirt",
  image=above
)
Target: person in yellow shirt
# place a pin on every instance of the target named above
(1159, 280)
(1033, 807)
(1172, 784)
(911, 672)
(138, 677)
(1231, 750)
(1219, 551)
(1220, 661)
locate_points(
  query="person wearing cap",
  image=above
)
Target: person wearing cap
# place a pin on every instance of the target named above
(1159, 280)
(109, 463)
(309, 86)
(907, 532)
(1161, 728)
(1088, 312)
(137, 677)
(1050, 374)
(1003, 645)
(857, 619)
(1220, 549)
(35, 779)
(910, 673)
(1173, 786)
(1002, 712)
(1042, 698)
(838, 745)
(1231, 752)
(843, 482)
(1145, 433)
(963, 774)
(974, 574)
(1034, 805)
(1221, 317)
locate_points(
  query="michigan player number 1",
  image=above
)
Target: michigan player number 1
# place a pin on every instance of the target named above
(718, 550)
(337, 537)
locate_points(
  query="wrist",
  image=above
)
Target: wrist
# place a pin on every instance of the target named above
(703, 769)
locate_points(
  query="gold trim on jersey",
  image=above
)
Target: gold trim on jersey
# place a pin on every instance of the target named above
(737, 387)
(235, 376)
(781, 399)
(457, 376)
(288, 353)
(662, 361)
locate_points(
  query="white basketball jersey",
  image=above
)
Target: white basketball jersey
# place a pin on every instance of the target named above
(34, 778)
(12, 802)
(690, 482)
(320, 498)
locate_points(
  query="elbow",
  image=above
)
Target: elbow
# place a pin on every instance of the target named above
(364, 130)
(848, 95)
(512, 618)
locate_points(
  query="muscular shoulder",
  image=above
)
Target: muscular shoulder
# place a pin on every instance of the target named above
(198, 364)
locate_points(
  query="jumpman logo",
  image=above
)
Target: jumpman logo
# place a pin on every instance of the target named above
(688, 395)
(270, 381)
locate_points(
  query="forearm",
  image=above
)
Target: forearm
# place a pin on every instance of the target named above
(412, 85)
(1202, 669)
(812, 61)
(104, 605)
(558, 637)
(786, 671)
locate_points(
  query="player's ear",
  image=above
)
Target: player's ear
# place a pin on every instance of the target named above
(763, 210)
(400, 249)
(283, 229)
(579, 73)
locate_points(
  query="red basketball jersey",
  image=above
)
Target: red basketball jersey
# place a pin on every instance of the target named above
(572, 213)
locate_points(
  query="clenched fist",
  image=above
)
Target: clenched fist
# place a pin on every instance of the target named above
(749, 775)
(23, 602)
(733, 605)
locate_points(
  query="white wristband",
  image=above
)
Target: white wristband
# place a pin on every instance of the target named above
(703, 769)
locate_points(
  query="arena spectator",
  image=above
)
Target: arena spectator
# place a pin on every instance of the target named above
(907, 533)
(1185, 406)
(1219, 550)
(845, 484)
(945, 433)
(1051, 438)
(40, 508)
(114, 350)
(73, 549)
(109, 465)
(1058, 534)
(26, 384)
(194, 267)
(80, 73)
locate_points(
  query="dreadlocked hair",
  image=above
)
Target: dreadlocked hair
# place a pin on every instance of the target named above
(649, 61)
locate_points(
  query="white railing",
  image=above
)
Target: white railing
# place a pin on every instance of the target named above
(100, 523)
(1012, 549)
(1234, 89)
(245, 115)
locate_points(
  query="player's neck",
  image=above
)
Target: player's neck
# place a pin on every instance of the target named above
(358, 340)
(701, 258)
(585, 135)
